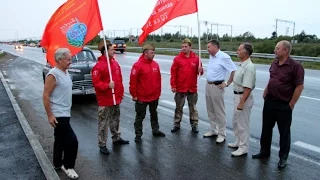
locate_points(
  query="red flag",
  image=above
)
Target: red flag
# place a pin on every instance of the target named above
(74, 24)
(164, 11)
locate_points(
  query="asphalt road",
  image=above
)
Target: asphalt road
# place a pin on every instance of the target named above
(177, 156)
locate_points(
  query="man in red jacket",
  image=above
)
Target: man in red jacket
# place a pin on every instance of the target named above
(108, 112)
(184, 78)
(145, 88)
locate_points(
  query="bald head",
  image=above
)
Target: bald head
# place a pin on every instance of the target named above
(287, 45)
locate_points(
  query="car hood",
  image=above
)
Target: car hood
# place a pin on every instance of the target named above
(83, 67)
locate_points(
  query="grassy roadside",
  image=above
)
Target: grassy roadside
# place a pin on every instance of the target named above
(2, 55)
(306, 65)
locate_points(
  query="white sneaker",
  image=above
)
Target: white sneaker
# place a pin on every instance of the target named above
(70, 173)
(239, 152)
(233, 145)
(209, 134)
(220, 139)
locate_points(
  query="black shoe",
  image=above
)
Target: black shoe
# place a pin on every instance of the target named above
(195, 129)
(57, 167)
(120, 141)
(282, 163)
(175, 129)
(137, 139)
(260, 156)
(158, 134)
(104, 150)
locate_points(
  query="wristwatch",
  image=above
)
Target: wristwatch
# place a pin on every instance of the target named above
(226, 84)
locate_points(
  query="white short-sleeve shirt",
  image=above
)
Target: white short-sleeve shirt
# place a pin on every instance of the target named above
(218, 66)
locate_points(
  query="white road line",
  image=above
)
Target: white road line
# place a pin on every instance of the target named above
(171, 103)
(261, 89)
(307, 146)
(306, 97)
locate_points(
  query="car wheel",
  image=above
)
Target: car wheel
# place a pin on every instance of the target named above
(121, 51)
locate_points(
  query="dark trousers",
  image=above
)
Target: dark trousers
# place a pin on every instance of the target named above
(280, 112)
(65, 146)
(192, 98)
(141, 109)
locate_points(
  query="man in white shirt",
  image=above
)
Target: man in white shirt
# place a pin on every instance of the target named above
(219, 65)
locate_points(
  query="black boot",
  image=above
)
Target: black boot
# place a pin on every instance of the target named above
(175, 129)
(158, 134)
(195, 129)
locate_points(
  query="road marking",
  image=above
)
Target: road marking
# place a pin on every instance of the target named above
(307, 146)
(261, 89)
(171, 103)
(306, 97)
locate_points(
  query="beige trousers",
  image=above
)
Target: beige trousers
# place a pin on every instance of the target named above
(215, 109)
(241, 122)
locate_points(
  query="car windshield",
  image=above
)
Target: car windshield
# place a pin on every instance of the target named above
(118, 41)
(83, 56)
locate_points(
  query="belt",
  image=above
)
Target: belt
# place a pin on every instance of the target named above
(216, 82)
(235, 92)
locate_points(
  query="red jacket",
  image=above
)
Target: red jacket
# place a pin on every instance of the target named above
(184, 73)
(145, 80)
(101, 80)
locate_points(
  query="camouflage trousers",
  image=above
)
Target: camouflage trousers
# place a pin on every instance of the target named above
(109, 116)
(192, 98)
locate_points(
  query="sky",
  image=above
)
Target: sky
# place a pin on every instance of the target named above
(27, 19)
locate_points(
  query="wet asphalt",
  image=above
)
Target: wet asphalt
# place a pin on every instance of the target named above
(182, 155)
(17, 158)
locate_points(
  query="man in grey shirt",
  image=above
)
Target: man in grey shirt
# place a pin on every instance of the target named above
(57, 100)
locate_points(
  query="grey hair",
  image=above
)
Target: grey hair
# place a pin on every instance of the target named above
(248, 47)
(287, 45)
(61, 53)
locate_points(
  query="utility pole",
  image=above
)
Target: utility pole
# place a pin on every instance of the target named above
(286, 21)
(217, 25)
(180, 29)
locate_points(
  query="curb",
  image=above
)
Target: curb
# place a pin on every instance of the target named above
(43, 160)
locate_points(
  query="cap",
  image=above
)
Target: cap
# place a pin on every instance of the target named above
(101, 43)
(148, 47)
(186, 40)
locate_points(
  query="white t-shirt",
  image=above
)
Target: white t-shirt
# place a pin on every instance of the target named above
(218, 66)
(61, 97)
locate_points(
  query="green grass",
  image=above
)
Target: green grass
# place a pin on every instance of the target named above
(2, 55)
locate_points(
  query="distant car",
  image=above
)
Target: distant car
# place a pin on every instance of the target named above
(80, 72)
(18, 46)
(32, 45)
(118, 44)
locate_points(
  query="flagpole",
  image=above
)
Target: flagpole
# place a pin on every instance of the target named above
(199, 39)
(110, 74)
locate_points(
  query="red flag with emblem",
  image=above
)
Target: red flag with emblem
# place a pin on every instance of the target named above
(164, 11)
(73, 24)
